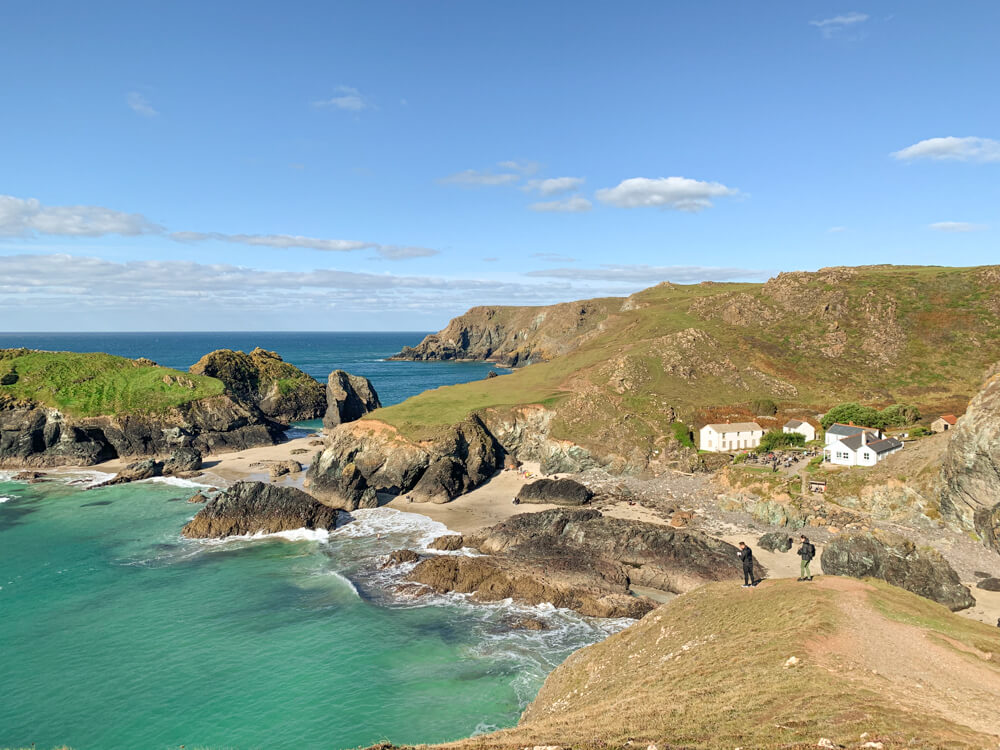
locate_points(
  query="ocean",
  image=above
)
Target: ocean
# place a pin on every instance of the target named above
(117, 633)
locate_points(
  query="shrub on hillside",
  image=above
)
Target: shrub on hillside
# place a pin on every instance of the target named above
(775, 440)
(763, 407)
(851, 412)
(901, 415)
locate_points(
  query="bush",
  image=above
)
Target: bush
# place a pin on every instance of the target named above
(763, 407)
(864, 416)
(920, 431)
(775, 440)
(683, 435)
(900, 415)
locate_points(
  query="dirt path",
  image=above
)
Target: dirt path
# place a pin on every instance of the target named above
(904, 662)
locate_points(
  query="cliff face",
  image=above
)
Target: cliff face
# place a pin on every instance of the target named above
(280, 390)
(513, 336)
(971, 471)
(348, 397)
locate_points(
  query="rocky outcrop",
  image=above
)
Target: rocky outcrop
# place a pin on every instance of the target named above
(447, 543)
(39, 436)
(348, 397)
(556, 492)
(970, 496)
(898, 561)
(264, 380)
(283, 468)
(513, 336)
(146, 468)
(989, 584)
(183, 461)
(362, 459)
(259, 508)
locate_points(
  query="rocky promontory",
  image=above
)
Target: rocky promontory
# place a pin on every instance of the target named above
(970, 496)
(279, 389)
(580, 559)
(364, 458)
(556, 492)
(348, 398)
(259, 508)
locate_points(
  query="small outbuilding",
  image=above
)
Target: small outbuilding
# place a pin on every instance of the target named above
(802, 428)
(944, 423)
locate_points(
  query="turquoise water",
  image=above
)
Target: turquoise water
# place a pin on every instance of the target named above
(117, 633)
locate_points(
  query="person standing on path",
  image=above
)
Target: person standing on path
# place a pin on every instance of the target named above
(746, 557)
(807, 551)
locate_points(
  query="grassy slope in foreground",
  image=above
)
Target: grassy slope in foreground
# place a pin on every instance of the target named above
(90, 385)
(877, 334)
(707, 671)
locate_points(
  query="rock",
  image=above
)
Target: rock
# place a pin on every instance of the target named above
(348, 398)
(28, 476)
(970, 473)
(977, 573)
(263, 380)
(775, 541)
(510, 463)
(898, 561)
(792, 661)
(989, 584)
(136, 471)
(9, 378)
(556, 492)
(298, 451)
(316, 442)
(198, 497)
(400, 556)
(490, 374)
(447, 543)
(281, 468)
(599, 591)
(528, 623)
(258, 507)
(826, 744)
(183, 460)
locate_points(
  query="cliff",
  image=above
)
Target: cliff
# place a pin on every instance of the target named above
(835, 663)
(279, 389)
(971, 472)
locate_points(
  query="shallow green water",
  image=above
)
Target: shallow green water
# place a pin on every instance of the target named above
(116, 633)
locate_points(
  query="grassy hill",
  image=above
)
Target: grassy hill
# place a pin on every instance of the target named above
(88, 385)
(877, 334)
(707, 670)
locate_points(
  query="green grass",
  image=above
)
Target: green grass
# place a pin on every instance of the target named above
(88, 385)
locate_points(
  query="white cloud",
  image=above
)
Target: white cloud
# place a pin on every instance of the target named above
(951, 148)
(23, 217)
(553, 185)
(475, 177)
(346, 98)
(520, 165)
(575, 204)
(139, 104)
(649, 275)
(553, 257)
(956, 226)
(677, 193)
(27, 217)
(831, 26)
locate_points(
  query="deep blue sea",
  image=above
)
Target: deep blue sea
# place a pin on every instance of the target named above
(118, 634)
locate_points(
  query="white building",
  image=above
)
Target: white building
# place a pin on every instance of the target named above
(802, 428)
(838, 431)
(863, 448)
(734, 436)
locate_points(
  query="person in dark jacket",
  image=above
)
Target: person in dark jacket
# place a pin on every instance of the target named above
(807, 551)
(746, 557)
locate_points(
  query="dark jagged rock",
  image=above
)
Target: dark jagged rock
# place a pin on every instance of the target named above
(136, 471)
(348, 398)
(198, 497)
(263, 380)
(556, 492)
(989, 584)
(775, 541)
(898, 561)
(492, 374)
(970, 473)
(400, 557)
(528, 623)
(257, 507)
(183, 460)
(447, 543)
(283, 468)
(367, 457)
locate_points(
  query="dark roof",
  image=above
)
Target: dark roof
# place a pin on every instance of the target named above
(843, 429)
(793, 423)
(882, 446)
(854, 441)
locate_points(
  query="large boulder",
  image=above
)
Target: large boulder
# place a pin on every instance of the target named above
(145, 468)
(970, 474)
(898, 561)
(775, 541)
(262, 379)
(183, 460)
(348, 397)
(257, 507)
(556, 492)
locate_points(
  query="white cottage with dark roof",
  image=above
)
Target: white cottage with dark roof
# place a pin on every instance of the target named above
(730, 436)
(863, 447)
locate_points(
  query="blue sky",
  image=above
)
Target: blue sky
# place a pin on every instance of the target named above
(356, 166)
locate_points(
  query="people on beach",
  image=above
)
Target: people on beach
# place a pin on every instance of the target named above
(807, 551)
(746, 557)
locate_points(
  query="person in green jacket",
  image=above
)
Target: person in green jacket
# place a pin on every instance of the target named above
(807, 551)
